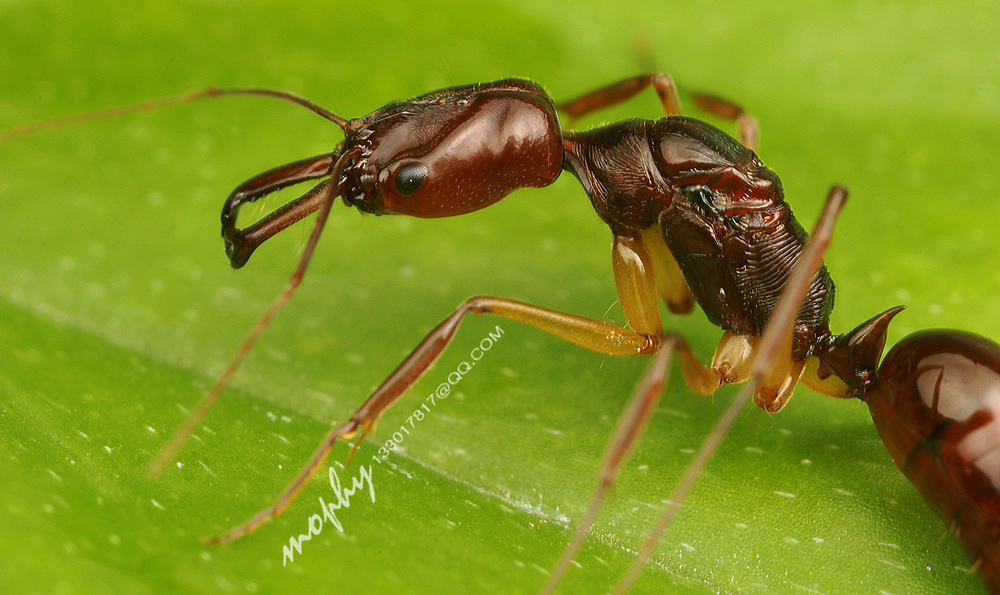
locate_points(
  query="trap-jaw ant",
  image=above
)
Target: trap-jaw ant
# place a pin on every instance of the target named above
(695, 216)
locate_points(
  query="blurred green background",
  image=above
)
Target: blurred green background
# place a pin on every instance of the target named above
(118, 308)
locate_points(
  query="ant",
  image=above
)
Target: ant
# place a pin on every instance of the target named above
(695, 217)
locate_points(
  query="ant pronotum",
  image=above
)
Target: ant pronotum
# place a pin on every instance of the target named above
(695, 216)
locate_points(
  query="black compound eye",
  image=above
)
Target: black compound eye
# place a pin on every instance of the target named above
(410, 177)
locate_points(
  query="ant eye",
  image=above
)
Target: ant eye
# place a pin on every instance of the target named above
(409, 177)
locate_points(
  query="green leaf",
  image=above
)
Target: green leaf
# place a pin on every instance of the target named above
(118, 309)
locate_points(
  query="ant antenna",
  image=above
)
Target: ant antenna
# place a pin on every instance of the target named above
(154, 104)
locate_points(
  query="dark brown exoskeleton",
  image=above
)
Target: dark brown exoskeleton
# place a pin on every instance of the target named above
(935, 400)
(695, 216)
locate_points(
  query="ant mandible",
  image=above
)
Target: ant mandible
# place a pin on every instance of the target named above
(695, 216)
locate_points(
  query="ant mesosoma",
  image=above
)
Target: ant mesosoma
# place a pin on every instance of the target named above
(695, 216)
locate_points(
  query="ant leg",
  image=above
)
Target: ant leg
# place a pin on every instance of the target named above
(321, 198)
(597, 335)
(637, 278)
(622, 91)
(665, 88)
(724, 108)
(630, 426)
(774, 342)
(636, 262)
(633, 274)
(670, 282)
(239, 243)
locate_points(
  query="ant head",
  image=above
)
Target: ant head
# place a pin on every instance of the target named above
(854, 357)
(450, 152)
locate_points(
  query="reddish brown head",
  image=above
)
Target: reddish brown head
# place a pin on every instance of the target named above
(445, 153)
(452, 151)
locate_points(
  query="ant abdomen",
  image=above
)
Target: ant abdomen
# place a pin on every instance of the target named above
(936, 404)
